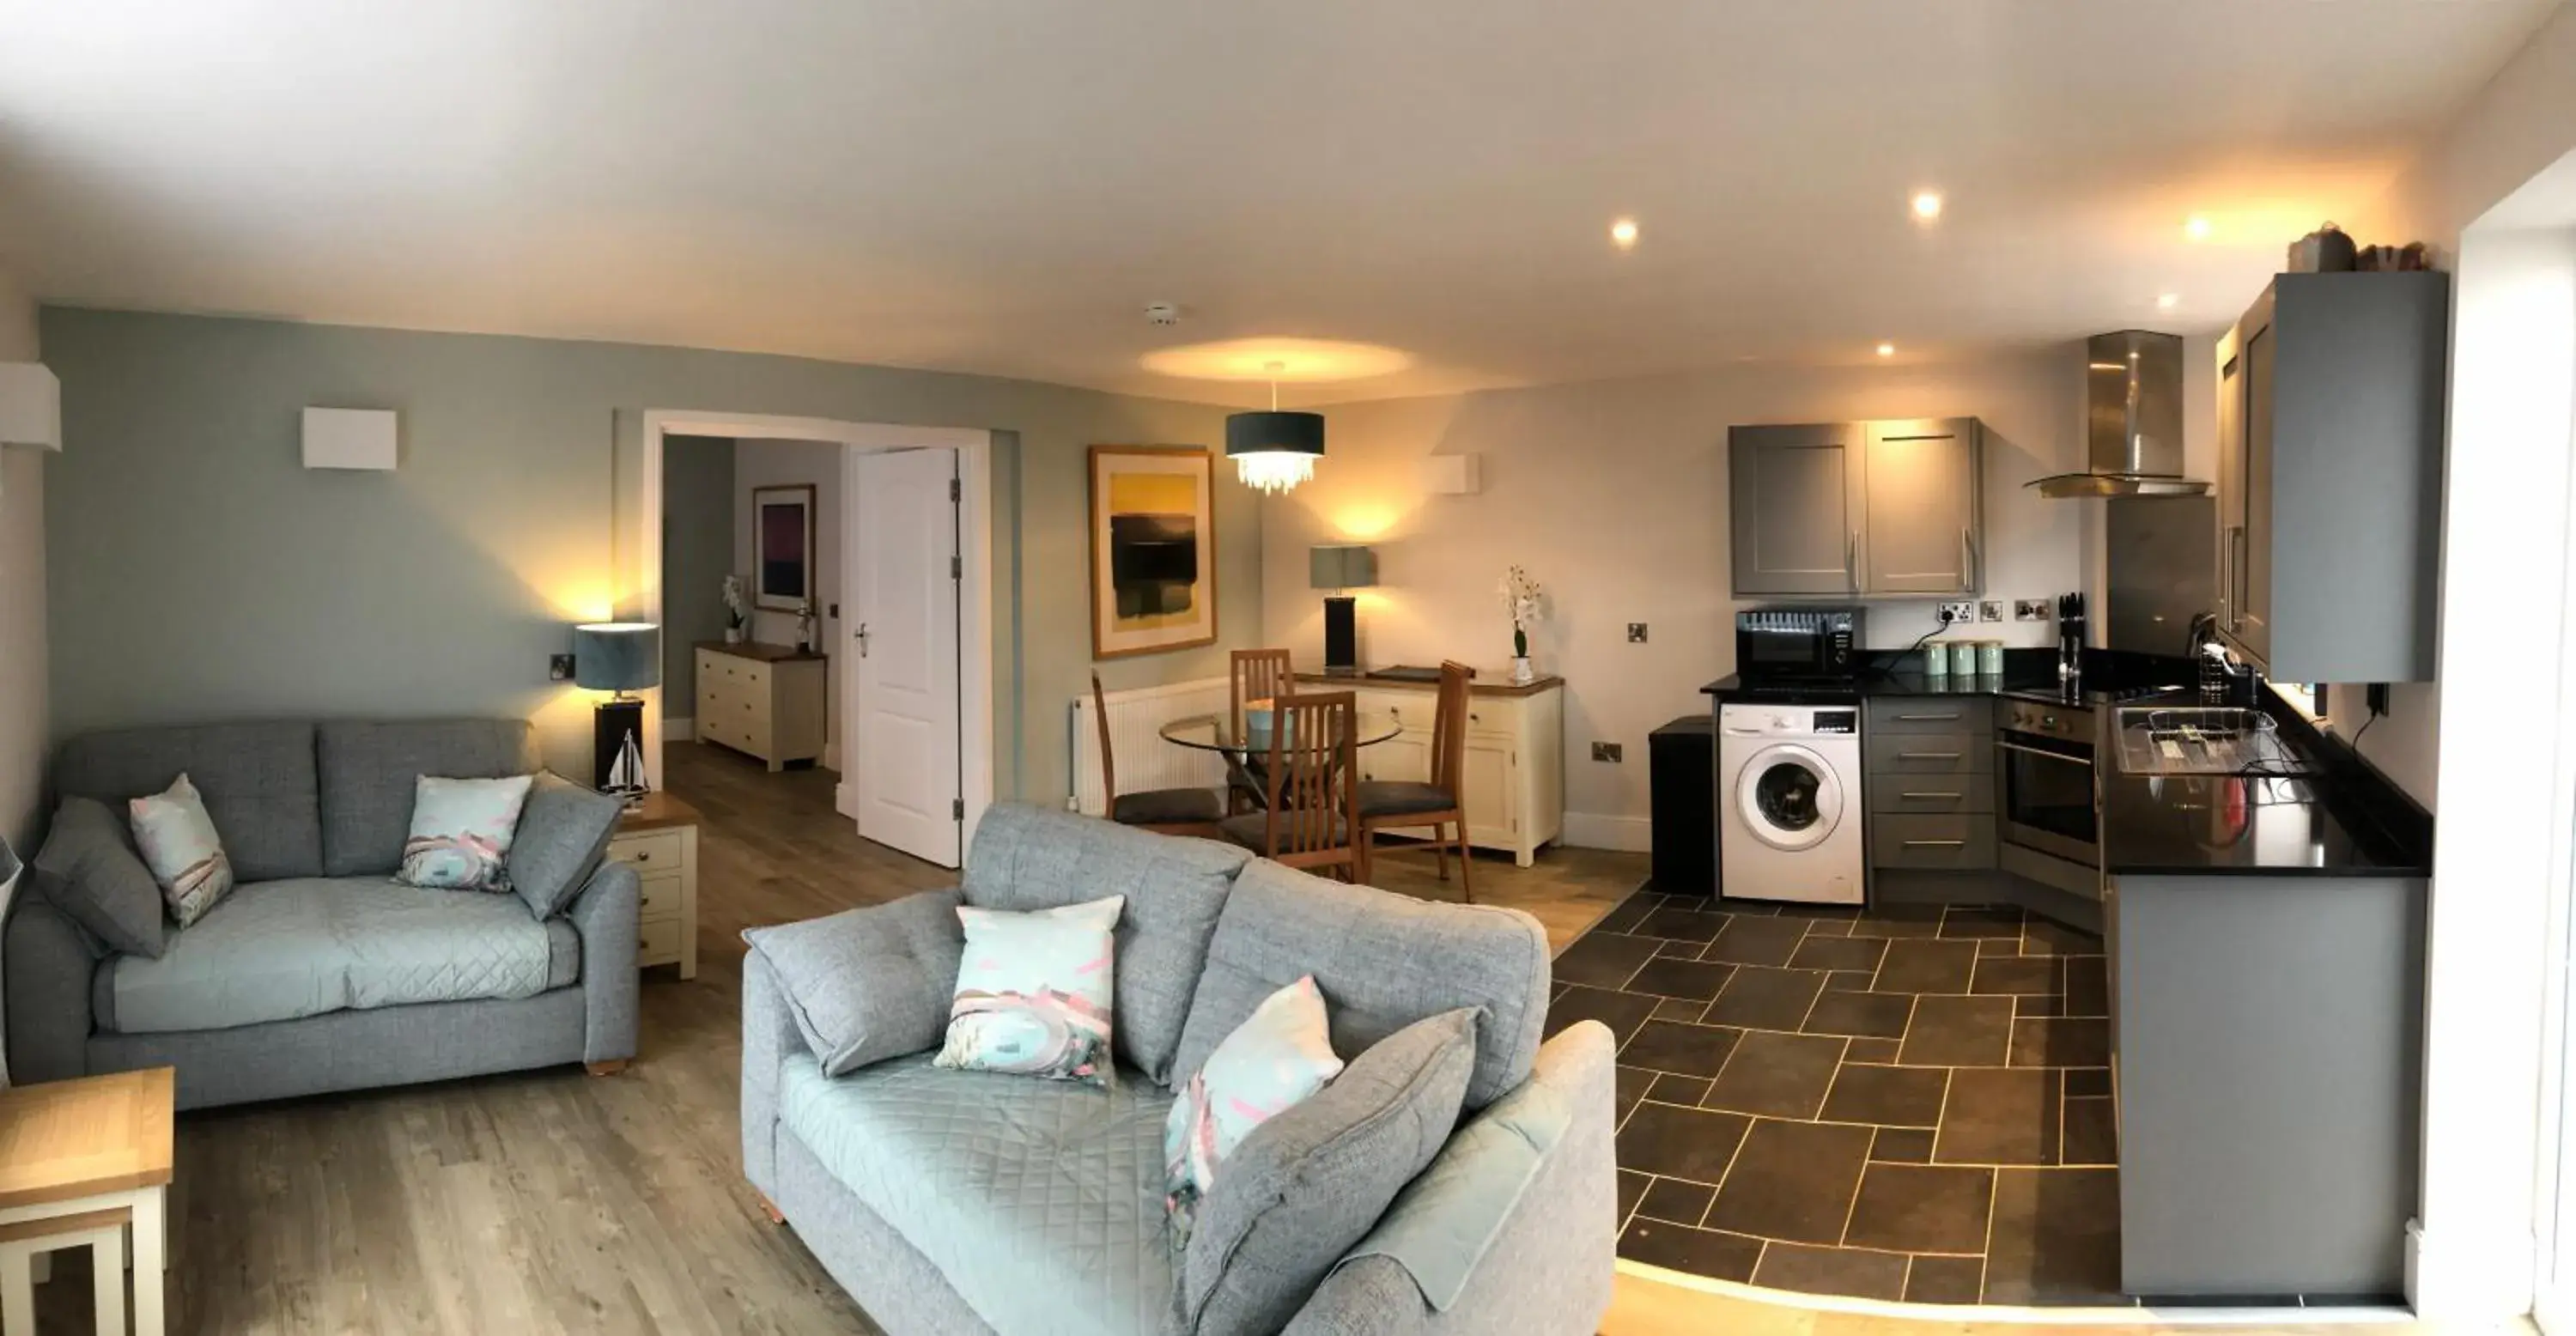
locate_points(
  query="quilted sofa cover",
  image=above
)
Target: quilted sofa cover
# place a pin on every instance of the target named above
(1041, 1201)
(283, 950)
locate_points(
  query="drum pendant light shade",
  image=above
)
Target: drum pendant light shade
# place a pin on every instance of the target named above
(1274, 450)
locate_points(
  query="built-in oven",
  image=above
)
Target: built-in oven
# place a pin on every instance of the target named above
(2044, 793)
(1797, 645)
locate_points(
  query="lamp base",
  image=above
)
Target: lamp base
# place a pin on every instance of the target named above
(617, 748)
(1341, 633)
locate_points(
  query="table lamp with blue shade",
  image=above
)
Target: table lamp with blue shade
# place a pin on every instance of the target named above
(1341, 567)
(617, 657)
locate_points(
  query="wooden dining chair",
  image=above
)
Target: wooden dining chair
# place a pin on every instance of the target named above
(1310, 786)
(1254, 675)
(1170, 811)
(1406, 804)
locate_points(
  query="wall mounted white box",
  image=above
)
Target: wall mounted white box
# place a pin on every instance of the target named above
(349, 438)
(1451, 475)
(31, 406)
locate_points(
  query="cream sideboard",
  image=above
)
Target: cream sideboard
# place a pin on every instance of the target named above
(1515, 771)
(769, 701)
(659, 839)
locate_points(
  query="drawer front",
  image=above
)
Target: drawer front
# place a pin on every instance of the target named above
(1931, 714)
(660, 897)
(1932, 842)
(648, 851)
(659, 942)
(1932, 794)
(1930, 754)
(733, 668)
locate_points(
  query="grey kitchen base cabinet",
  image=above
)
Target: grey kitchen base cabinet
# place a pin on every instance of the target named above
(1886, 509)
(2266, 1039)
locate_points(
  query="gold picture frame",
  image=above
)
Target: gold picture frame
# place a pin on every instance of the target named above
(1153, 549)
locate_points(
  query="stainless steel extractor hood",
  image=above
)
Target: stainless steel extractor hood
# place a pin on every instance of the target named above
(2132, 420)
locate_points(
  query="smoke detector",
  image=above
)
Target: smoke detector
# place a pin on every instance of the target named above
(1163, 313)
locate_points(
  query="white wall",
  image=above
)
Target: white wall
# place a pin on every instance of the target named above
(758, 464)
(1614, 495)
(23, 696)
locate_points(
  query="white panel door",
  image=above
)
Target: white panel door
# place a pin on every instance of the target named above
(904, 632)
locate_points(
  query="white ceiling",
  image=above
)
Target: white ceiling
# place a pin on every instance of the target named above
(1001, 187)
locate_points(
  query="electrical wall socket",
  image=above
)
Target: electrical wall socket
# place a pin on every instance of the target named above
(558, 667)
(1959, 612)
(1992, 610)
(1636, 633)
(1605, 751)
(2030, 609)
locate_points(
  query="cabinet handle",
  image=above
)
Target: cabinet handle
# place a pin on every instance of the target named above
(2238, 577)
(1918, 793)
(1475, 718)
(1927, 718)
(1851, 560)
(1967, 560)
(1927, 756)
(1936, 844)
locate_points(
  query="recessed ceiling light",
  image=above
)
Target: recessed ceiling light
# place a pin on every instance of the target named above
(2166, 301)
(2196, 227)
(1927, 205)
(1887, 350)
(1623, 233)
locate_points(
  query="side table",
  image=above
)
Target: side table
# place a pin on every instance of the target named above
(77, 1152)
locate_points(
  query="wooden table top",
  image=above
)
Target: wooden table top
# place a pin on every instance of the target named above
(660, 811)
(64, 1140)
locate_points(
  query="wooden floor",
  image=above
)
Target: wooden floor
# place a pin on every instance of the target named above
(555, 1201)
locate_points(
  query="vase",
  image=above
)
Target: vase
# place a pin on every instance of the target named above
(733, 635)
(1522, 673)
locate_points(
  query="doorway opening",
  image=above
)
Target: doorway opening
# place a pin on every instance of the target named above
(862, 642)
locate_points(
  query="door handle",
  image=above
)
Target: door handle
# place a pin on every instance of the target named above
(861, 635)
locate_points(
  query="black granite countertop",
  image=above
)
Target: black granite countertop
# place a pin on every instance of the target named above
(2029, 674)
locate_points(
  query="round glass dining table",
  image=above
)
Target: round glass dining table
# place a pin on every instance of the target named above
(1217, 734)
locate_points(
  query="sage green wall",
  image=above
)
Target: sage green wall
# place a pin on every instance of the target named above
(197, 571)
(22, 601)
(697, 554)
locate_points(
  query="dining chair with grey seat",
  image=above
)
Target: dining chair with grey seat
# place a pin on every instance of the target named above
(1310, 773)
(1441, 803)
(1170, 811)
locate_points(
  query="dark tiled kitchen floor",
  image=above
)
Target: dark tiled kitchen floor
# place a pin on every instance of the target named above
(1908, 1103)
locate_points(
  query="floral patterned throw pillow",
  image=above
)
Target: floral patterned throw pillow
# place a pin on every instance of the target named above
(179, 844)
(461, 831)
(1033, 992)
(1281, 1054)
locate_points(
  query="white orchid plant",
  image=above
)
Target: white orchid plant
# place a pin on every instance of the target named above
(735, 603)
(1521, 599)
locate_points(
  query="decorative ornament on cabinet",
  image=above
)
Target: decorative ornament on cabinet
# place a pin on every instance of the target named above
(1522, 601)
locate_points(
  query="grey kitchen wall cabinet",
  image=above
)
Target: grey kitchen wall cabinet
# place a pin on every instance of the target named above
(1795, 503)
(2330, 422)
(1886, 509)
(1923, 530)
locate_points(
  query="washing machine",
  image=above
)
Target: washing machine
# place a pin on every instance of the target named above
(1789, 803)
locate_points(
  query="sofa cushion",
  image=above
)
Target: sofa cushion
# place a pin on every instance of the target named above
(258, 782)
(1028, 858)
(868, 984)
(181, 847)
(90, 869)
(367, 770)
(281, 950)
(563, 833)
(461, 832)
(1310, 1183)
(1281, 1056)
(1041, 1202)
(1384, 961)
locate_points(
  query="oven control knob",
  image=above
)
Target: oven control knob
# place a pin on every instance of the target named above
(2048, 721)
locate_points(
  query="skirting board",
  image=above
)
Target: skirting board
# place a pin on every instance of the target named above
(1593, 830)
(680, 730)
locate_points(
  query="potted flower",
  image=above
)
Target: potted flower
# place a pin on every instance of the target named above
(737, 610)
(1521, 596)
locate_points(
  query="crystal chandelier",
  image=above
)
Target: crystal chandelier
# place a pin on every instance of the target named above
(1274, 451)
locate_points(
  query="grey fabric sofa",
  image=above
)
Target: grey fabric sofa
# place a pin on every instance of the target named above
(420, 985)
(969, 1202)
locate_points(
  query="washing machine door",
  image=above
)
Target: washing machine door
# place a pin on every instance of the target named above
(1788, 798)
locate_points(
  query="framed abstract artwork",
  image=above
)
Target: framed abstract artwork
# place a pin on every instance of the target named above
(1153, 550)
(782, 536)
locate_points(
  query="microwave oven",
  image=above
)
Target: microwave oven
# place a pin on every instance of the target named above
(1798, 645)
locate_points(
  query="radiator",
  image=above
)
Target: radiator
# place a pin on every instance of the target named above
(1145, 760)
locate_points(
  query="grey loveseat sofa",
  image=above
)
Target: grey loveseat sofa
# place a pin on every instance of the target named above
(318, 973)
(969, 1202)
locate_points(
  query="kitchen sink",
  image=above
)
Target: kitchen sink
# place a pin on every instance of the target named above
(2202, 740)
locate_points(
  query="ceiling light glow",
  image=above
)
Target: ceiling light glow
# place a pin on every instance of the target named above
(2196, 227)
(1887, 350)
(2166, 301)
(1927, 205)
(1623, 233)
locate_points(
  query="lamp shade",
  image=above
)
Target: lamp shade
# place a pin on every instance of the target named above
(1274, 450)
(1340, 566)
(617, 656)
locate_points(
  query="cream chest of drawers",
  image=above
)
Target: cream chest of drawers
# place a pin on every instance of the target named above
(660, 841)
(1515, 764)
(768, 701)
